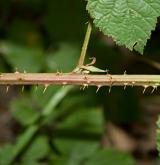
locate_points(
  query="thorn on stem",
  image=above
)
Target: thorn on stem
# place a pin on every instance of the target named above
(107, 71)
(84, 86)
(125, 85)
(125, 72)
(36, 87)
(23, 88)
(58, 73)
(16, 72)
(64, 83)
(46, 86)
(133, 83)
(110, 88)
(154, 88)
(145, 87)
(7, 89)
(98, 88)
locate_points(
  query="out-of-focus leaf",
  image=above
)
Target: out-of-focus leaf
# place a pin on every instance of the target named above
(58, 160)
(6, 153)
(32, 163)
(24, 139)
(111, 157)
(77, 136)
(40, 98)
(22, 58)
(84, 120)
(75, 151)
(23, 111)
(38, 150)
(64, 59)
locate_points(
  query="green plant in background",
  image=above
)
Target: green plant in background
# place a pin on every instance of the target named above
(67, 130)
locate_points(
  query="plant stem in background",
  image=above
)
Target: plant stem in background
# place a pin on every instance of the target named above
(26, 138)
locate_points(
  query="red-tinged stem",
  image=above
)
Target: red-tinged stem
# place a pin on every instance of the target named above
(78, 79)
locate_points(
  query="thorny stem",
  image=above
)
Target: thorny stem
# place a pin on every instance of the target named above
(85, 45)
(47, 79)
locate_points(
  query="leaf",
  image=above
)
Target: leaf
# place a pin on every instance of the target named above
(6, 153)
(128, 22)
(23, 112)
(78, 136)
(84, 120)
(78, 151)
(40, 98)
(32, 163)
(24, 139)
(111, 157)
(21, 57)
(64, 59)
(38, 149)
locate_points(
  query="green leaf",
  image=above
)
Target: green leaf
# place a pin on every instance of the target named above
(64, 59)
(40, 98)
(84, 120)
(6, 153)
(78, 136)
(22, 111)
(24, 139)
(21, 57)
(75, 151)
(111, 157)
(38, 149)
(32, 163)
(129, 22)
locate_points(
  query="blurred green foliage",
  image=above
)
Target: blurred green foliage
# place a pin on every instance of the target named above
(46, 36)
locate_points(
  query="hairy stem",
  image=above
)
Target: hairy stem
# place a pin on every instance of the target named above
(78, 79)
(85, 45)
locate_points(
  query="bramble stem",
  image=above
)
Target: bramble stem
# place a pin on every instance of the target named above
(85, 45)
(78, 79)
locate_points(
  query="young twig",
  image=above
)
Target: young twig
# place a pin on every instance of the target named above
(85, 45)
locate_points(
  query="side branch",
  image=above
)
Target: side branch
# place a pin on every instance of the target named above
(78, 79)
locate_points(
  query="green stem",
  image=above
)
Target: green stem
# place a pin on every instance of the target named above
(85, 45)
(30, 132)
